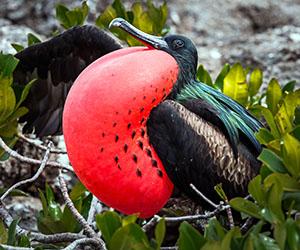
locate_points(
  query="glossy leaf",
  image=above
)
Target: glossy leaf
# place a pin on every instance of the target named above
(274, 196)
(246, 207)
(3, 233)
(255, 81)
(264, 136)
(274, 95)
(129, 237)
(287, 182)
(285, 116)
(17, 47)
(8, 63)
(289, 87)
(291, 154)
(235, 85)
(272, 161)
(11, 240)
(32, 39)
(7, 102)
(108, 223)
(255, 188)
(129, 219)
(204, 76)
(160, 231)
(271, 122)
(214, 230)
(189, 238)
(219, 82)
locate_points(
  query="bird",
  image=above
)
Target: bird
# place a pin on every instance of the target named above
(185, 133)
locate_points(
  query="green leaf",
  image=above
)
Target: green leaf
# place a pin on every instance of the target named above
(61, 11)
(3, 233)
(129, 219)
(264, 136)
(227, 241)
(245, 206)
(7, 102)
(8, 63)
(272, 161)
(274, 196)
(291, 154)
(129, 237)
(289, 87)
(160, 231)
(32, 39)
(255, 188)
(255, 81)
(287, 182)
(214, 230)
(271, 122)
(17, 47)
(11, 240)
(203, 76)
(189, 238)
(280, 234)
(274, 95)
(293, 234)
(219, 82)
(285, 116)
(235, 85)
(23, 241)
(108, 223)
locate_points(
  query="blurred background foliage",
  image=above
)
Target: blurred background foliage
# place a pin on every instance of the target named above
(275, 193)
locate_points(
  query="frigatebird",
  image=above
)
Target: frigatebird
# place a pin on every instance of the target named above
(193, 132)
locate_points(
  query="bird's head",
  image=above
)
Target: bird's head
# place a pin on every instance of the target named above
(180, 47)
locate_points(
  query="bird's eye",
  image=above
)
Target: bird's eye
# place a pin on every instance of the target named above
(177, 44)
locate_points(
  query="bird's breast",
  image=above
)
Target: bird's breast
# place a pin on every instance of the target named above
(104, 126)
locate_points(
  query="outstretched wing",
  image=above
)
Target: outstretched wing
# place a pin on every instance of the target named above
(55, 64)
(194, 150)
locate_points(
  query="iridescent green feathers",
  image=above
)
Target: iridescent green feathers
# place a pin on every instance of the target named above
(235, 118)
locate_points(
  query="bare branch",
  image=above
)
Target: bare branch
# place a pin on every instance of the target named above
(151, 223)
(22, 158)
(169, 248)
(33, 178)
(93, 210)
(229, 215)
(7, 247)
(89, 231)
(42, 147)
(84, 241)
(247, 225)
(203, 196)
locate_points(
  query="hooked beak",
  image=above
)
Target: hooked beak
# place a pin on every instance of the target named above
(151, 41)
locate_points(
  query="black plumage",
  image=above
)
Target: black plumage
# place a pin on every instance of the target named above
(56, 64)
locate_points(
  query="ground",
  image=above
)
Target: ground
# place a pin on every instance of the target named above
(264, 34)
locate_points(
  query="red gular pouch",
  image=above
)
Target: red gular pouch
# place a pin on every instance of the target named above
(104, 125)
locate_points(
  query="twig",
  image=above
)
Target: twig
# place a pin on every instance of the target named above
(93, 210)
(229, 215)
(7, 247)
(84, 241)
(33, 178)
(22, 158)
(169, 248)
(32, 142)
(89, 231)
(247, 225)
(151, 223)
(203, 196)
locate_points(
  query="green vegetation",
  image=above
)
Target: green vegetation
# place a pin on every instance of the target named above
(275, 193)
